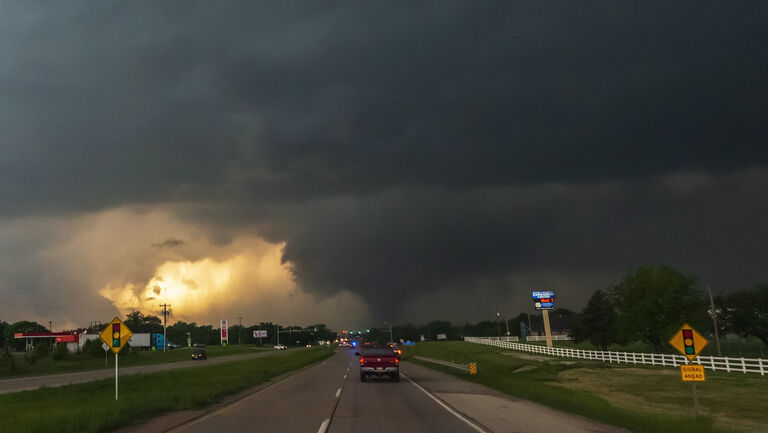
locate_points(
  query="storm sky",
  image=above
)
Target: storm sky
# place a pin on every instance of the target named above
(349, 163)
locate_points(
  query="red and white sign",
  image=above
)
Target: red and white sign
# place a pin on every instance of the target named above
(224, 338)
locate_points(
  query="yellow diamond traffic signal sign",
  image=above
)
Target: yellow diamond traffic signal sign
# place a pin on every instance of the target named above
(688, 342)
(116, 335)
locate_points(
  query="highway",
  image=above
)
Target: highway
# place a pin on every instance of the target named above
(329, 397)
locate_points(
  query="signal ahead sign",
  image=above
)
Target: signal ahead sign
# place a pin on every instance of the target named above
(116, 335)
(693, 373)
(688, 342)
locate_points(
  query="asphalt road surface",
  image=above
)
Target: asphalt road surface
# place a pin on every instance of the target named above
(52, 380)
(330, 398)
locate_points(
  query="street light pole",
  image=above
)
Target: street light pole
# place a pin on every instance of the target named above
(714, 320)
(391, 338)
(498, 328)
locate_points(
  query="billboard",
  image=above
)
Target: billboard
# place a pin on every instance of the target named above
(441, 336)
(544, 299)
(224, 337)
(260, 334)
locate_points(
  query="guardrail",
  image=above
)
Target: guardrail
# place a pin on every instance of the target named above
(743, 365)
(470, 368)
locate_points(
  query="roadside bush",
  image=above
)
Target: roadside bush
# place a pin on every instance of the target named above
(7, 360)
(40, 351)
(92, 348)
(61, 353)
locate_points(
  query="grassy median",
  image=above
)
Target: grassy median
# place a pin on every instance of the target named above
(80, 362)
(91, 407)
(643, 400)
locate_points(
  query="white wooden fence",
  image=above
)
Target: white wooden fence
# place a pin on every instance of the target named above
(544, 338)
(743, 365)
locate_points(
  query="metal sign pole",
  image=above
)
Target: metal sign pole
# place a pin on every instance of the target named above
(695, 400)
(115, 376)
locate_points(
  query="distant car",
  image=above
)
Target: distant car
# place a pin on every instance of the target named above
(199, 354)
(281, 347)
(379, 362)
(309, 345)
(397, 350)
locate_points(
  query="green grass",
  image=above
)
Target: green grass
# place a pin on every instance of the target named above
(91, 407)
(643, 400)
(81, 362)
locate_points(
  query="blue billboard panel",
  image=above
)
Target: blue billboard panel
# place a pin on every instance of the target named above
(544, 299)
(544, 294)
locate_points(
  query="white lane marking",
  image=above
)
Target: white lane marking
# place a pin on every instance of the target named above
(448, 408)
(345, 376)
(324, 426)
(338, 393)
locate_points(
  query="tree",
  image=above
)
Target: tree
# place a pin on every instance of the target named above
(3, 325)
(746, 312)
(22, 326)
(139, 323)
(597, 322)
(653, 301)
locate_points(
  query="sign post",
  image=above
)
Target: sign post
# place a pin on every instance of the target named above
(224, 332)
(116, 336)
(545, 301)
(690, 343)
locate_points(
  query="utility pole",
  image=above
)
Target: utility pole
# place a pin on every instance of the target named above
(391, 339)
(50, 324)
(498, 328)
(530, 329)
(506, 320)
(165, 324)
(714, 320)
(239, 329)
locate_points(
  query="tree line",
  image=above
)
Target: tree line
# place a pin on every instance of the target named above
(650, 303)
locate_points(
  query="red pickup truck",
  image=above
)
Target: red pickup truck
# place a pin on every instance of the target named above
(379, 362)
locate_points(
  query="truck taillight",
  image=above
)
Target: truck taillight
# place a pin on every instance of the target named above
(397, 361)
(361, 361)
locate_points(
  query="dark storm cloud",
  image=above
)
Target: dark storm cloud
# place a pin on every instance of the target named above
(400, 149)
(169, 243)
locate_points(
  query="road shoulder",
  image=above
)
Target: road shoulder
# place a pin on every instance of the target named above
(499, 412)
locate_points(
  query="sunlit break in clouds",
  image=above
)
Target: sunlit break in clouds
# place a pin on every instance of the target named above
(194, 288)
(253, 283)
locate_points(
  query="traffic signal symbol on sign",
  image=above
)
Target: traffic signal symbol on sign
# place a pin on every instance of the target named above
(688, 342)
(115, 335)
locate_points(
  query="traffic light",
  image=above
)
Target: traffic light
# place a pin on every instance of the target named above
(115, 335)
(688, 342)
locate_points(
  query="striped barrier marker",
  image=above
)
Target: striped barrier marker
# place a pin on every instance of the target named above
(472, 368)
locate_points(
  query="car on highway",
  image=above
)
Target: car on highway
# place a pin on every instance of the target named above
(281, 347)
(198, 353)
(379, 362)
(397, 350)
